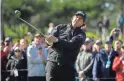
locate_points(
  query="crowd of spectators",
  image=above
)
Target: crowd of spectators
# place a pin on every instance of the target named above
(98, 60)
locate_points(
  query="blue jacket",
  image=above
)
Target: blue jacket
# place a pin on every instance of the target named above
(36, 66)
(99, 66)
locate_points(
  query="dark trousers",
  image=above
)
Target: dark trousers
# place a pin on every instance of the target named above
(22, 76)
(12, 78)
(56, 72)
(4, 75)
(36, 78)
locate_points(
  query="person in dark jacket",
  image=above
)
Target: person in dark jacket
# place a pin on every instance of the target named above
(102, 68)
(97, 47)
(15, 65)
(67, 40)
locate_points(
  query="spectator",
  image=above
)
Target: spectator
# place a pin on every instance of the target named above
(118, 65)
(17, 44)
(90, 40)
(120, 21)
(3, 61)
(105, 28)
(115, 34)
(11, 53)
(99, 28)
(84, 63)
(7, 49)
(30, 36)
(23, 46)
(22, 43)
(51, 26)
(117, 46)
(36, 65)
(2, 55)
(106, 23)
(8, 46)
(102, 68)
(97, 47)
(15, 65)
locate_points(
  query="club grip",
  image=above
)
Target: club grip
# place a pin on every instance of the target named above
(48, 43)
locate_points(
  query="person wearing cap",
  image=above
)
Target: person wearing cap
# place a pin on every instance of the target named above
(35, 64)
(7, 49)
(102, 67)
(15, 65)
(97, 46)
(84, 62)
(67, 40)
(90, 43)
(8, 46)
(118, 65)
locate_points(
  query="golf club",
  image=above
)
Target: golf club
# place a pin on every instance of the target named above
(18, 14)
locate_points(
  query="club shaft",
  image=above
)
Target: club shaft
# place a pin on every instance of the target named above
(31, 26)
(36, 29)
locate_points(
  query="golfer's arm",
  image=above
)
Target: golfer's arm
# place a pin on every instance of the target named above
(74, 43)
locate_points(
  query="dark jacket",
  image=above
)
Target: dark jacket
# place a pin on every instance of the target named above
(23, 52)
(99, 67)
(16, 63)
(69, 42)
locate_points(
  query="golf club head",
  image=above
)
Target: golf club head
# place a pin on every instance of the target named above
(17, 13)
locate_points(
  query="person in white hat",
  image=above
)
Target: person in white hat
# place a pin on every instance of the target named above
(15, 65)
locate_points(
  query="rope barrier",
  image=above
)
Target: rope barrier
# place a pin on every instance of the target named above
(99, 78)
(75, 77)
(17, 69)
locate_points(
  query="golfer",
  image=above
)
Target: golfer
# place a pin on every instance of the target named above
(67, 40)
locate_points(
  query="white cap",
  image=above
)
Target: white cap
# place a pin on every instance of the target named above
(17, 48)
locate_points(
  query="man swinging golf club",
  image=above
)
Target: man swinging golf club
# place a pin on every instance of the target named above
(67, 40)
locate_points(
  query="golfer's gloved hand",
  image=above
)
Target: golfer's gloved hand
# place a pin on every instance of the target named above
(51, 39)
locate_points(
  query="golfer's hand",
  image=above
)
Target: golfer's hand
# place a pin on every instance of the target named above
(51, 39)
